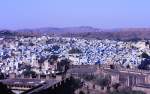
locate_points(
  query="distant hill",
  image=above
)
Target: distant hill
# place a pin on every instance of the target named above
(89, 32)
(118, 34)
(6, 33)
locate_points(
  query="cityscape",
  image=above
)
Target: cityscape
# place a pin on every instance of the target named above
(74, 47)
(72, 65)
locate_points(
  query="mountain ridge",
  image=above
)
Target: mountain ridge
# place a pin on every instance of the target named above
(88, 32)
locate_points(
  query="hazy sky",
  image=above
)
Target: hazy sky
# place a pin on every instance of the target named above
(17, 14)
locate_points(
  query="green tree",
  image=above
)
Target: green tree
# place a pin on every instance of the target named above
(52, 59)
(116, 86)
(63, 65)
(88, 77)
(103, 81)
(29, 72)
(75, 51)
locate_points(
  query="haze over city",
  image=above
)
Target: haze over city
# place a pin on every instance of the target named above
(20, 14)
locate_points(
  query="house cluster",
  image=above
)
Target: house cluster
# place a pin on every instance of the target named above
(18, 52)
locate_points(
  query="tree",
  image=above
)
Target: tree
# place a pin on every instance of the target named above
(81, 92)
(103, 81)
(112, 66)
(145, 64)
(52, 59)
(88, 77)
(31, 44)
(55, 47)
(29, 72)
(116, 86)
(40, 62)
(63, 65)
(128, 66)
(145, 55)
(28, 67)
(75, 51)
(1, 76)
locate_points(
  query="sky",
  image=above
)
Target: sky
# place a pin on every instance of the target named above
(20, 14)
